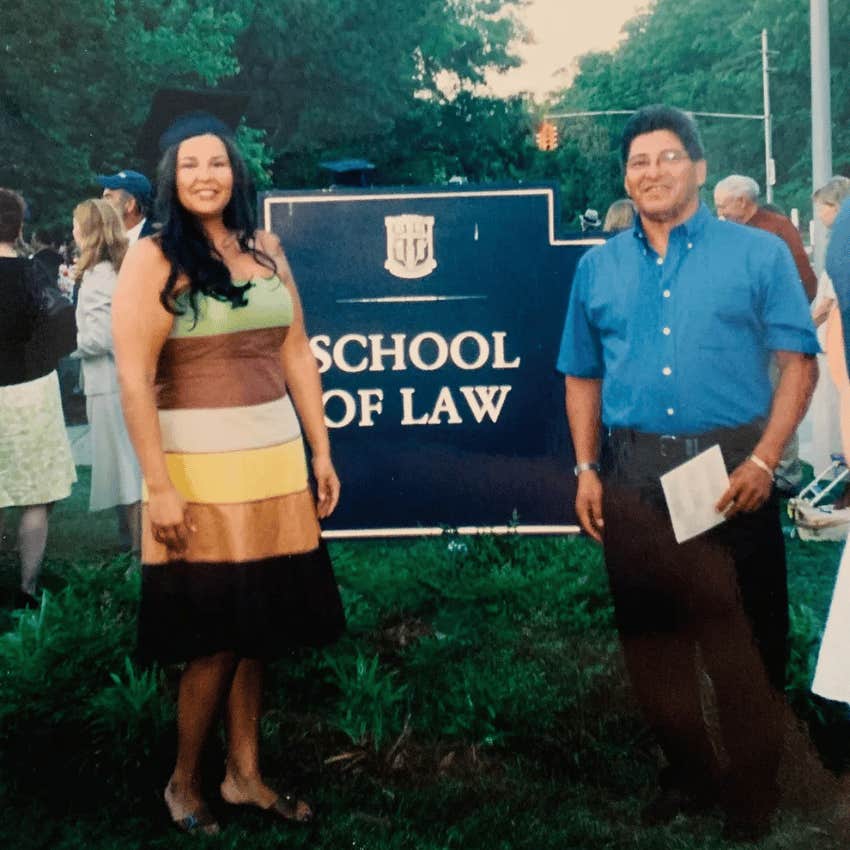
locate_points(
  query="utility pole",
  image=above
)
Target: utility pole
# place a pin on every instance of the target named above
(821, 113)
(769, 165)
(765, 117)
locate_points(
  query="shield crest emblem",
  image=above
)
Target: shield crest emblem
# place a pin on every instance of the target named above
(410, 245)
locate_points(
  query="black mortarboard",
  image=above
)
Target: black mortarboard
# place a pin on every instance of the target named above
(349, 172)
(178, 114)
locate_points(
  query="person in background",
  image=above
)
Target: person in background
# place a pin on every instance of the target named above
(214, 362)
(831, 402)
(736, 199)
(36, 465)
(620, 216)
(665, 354)
(116, 480)
(832, 672)
(129, 192)
(589, 220)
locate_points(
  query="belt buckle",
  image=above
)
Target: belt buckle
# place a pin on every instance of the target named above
(668, 442)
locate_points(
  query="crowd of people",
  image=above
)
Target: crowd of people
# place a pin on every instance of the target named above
(685, 330)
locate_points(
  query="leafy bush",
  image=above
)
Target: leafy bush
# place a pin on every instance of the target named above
(54, 663)
(371, 703)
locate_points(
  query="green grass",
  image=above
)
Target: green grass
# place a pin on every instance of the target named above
(476, 701)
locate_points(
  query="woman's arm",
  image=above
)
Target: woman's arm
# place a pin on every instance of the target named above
(140, 326)
(94, 322)
(305, 386)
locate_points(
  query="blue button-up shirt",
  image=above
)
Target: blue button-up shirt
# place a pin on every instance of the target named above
(682, 342)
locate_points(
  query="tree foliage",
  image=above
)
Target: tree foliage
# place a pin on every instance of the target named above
(705, 57)
(82, 79)
(328, 78)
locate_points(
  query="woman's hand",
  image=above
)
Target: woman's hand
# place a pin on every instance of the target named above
(170, 521)
(327, 485)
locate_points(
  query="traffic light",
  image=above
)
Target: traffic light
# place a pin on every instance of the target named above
(547, 136)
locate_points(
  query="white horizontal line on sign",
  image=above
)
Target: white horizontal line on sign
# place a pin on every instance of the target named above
(401, 299)
(354, 533)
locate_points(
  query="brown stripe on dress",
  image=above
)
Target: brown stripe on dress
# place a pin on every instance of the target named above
(228, 533)
(199, 372)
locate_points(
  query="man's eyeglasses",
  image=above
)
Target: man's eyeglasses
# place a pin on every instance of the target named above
(641, 162)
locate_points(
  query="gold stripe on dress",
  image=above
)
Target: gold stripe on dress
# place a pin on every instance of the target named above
(228, 429)
(229, 533)
(245, 476)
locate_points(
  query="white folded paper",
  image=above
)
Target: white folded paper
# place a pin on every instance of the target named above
(692, 490)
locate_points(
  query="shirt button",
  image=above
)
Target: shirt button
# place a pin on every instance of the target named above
(690, 245)
(670, 411)
(660, 261)
(666, 293)
(665, 331)
(667, 371)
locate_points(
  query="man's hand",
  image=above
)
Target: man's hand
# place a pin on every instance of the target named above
(589, 504)
(749, 489)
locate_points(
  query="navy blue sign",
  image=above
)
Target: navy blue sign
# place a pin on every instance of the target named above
(435, 316)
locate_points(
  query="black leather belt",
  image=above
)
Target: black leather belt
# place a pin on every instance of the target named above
(684, 446)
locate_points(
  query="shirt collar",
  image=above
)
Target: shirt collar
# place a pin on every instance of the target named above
(134, 232)
(692, 227)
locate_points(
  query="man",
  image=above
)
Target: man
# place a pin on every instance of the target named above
(736, 199)
(666, 344)
(129, 192)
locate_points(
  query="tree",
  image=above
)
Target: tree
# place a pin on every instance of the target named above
(358, 77)
(705, 57)
(81, 83)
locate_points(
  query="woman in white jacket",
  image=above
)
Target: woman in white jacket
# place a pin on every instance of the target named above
(116, 479)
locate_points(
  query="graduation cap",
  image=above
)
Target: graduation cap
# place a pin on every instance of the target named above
(178, 114)
(349, 172)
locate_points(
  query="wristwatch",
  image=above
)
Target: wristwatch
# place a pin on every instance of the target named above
(585, 467)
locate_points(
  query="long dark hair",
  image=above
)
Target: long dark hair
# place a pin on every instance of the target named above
(12, 207)
(187, 247)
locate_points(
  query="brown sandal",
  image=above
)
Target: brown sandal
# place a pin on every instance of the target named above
(286, 807)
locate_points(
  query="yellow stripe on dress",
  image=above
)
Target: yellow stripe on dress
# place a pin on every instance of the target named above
(244, 476)
(228, 429)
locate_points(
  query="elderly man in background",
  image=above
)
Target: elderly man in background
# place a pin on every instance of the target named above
(129, 192)
(736, 199)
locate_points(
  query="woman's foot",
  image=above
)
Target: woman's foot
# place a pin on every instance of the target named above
(240, 790)
(188, 811)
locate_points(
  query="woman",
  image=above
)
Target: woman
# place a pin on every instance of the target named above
(36, 466)
(832, 673)
(827, 200)
(116, 479)
(208, 329)
(620, 216)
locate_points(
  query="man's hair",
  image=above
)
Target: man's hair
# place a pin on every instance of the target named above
(738, 186)
(833, 192)
(661, 117)
(11, 215)
(142, 201)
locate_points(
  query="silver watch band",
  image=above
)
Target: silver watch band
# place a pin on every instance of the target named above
(585, 467)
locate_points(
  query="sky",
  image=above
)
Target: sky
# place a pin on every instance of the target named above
(562, 31)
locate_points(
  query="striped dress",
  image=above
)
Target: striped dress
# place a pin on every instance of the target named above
(255, 578)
